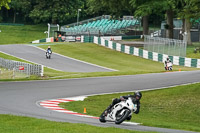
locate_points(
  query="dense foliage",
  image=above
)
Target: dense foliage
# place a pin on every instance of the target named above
(4, 3)
(65, 11)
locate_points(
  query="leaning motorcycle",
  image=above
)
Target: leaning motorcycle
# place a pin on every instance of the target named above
(119, 112)
(48, 54)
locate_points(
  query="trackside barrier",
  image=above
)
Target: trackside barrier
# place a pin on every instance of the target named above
(29, 69)
(87, 38)
(177, 60)
(107, 38)
(51, 39)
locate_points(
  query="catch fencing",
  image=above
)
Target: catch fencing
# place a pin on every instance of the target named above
(176, 60)
(21, 67)
(171, 47)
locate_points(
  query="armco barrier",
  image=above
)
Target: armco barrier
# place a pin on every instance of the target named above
(177, 60)
(87, 38)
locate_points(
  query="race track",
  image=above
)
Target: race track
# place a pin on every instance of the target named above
(58, 62)
(20, 98)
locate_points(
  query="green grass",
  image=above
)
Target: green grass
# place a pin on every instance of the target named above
(190, 51)
(9, 57)
(177, 107)
(19, 124)
(21, 34)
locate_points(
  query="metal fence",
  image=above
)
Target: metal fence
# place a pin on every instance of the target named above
(22, 67)
(165, 46)
(195, 34)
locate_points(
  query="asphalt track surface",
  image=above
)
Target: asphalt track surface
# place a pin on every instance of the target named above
(58, 62)
(21, 98)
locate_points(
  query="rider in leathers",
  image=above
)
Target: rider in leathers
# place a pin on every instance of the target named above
(166, 62)
(135, 98)
(48, 49)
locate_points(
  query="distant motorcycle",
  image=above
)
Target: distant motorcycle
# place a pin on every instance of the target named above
(119, 112)
(48, 54)
(168, 66)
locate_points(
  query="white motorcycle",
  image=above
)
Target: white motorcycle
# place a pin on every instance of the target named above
(119, 112)
(168, 66)
(48, 54)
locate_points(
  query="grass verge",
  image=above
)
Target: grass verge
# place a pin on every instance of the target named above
(19, 124)
(177, 107)
(190, 51)
(21, 34)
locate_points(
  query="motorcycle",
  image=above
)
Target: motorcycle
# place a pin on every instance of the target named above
(119, 112)
(48, 54)
(168, 66)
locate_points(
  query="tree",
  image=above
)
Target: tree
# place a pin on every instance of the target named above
(188, 10)
(20, 7)
(144, 8)
(4, 3)
(110, 7)
(55, 11)
(169, 6)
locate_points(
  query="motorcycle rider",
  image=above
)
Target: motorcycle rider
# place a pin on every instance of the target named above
(135, 98)
(166, 62)
(48, 49)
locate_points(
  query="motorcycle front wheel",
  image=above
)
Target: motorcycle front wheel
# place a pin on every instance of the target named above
(122, 117)
(102, 117)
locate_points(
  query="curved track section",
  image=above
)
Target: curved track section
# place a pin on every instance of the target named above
(20, 98)
(58, 62)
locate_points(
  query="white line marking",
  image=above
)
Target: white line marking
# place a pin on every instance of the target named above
(79, 60)
(131, 123)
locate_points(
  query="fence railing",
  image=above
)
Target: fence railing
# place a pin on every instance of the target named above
(29, 69)
(167, 46)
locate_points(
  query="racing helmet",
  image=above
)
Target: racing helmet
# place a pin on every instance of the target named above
(167, 58)
(138, 95)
